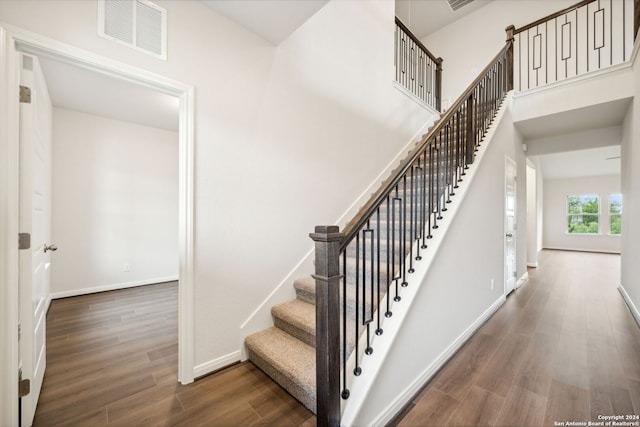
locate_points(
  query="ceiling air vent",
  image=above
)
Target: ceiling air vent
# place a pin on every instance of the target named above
(457, 4)
(139, 24)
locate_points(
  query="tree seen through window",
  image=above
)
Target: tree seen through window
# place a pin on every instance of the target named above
(583, 214)
(615, 212)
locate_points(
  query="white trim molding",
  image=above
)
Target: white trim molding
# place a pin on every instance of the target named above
(112, 287)
(522, 280)
(218, 363)
(14, 40)
(632, 307)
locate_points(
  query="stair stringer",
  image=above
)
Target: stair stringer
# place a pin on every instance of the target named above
(361, 386)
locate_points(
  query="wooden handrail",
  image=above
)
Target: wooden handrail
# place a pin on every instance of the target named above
(353, 227)
(418, 42)
(553, 15)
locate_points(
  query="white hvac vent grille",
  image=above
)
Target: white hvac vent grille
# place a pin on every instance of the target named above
(139, 24)
(457, 4)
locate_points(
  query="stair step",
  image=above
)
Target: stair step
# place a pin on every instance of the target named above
(306, 291)
(288, 361)
(298, 318)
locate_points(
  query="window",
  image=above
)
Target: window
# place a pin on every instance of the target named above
(583, 214)
(615, 213)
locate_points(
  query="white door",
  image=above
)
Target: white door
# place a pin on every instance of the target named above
(510, 226)
(35, 219)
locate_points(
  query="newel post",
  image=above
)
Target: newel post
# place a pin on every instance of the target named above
(510, 39)
(439, 84)
(327, 249)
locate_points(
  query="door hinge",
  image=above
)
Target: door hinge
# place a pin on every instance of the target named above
(24, 241)
(24, 386)
(25, 94)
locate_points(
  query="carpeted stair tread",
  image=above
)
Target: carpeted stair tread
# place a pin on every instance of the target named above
(306, 289)
(288, 361)
(298, 318)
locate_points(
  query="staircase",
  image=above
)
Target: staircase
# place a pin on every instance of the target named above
(363, 269)
(286, 351)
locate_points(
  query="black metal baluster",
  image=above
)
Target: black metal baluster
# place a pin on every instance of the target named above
(366, 320)
(379, 328)
(412, 218)
(388, 313)
(403, 232)
(345, 391)
(357, 370)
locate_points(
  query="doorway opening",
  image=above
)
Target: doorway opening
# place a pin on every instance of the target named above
(17, 42)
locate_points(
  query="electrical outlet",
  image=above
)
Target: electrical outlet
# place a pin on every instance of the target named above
(492, 282)
(127, 268)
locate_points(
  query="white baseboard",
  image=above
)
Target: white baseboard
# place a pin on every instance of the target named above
(559, 248)
(112, 287)
(522, 279)
(632, 307)
(215, 364)
(398, 404)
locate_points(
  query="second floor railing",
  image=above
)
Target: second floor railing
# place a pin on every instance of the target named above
(588, 36)
(360, 271)
(417, 69)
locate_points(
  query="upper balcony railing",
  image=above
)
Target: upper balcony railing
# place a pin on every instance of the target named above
(417, 69)
(588, 36)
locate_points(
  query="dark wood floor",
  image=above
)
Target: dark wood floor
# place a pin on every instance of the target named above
(112, 360)
(562, 348)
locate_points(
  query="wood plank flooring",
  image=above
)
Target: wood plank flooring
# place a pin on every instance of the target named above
(564, 347)
(112, 360)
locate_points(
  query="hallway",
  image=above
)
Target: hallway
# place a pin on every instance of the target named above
(564, 347)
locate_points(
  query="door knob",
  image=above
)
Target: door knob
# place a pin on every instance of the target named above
(51, 248)
(508, 235)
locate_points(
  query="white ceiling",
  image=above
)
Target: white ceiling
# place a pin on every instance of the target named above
(574, 164)
(76, 88)
(423, 17)
(591, 117)
(273, 20)
(577, 143)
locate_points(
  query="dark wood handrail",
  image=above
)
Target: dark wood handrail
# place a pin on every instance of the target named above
(418, 42)
(553, 15)
(366, 212)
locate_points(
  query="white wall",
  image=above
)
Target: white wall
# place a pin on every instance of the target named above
(469, 44)
(630, 270)
(532, 216)
(115, 202)
(286, 137)
(456, 291)
(555, 213)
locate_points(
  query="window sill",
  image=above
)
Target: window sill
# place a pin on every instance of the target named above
(592, 234)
